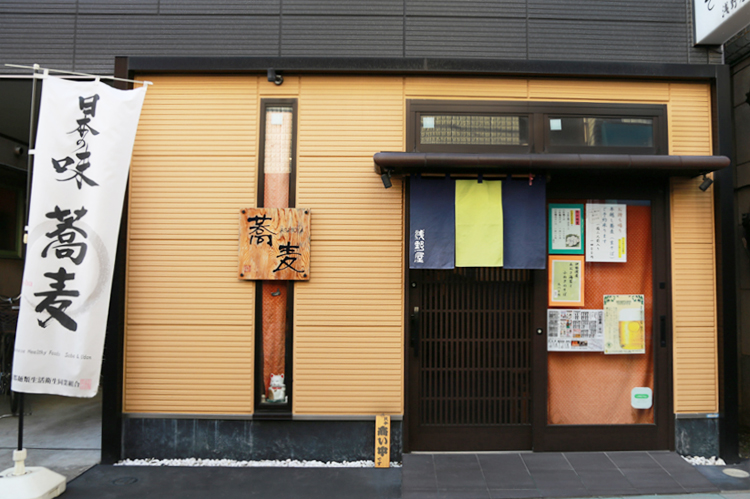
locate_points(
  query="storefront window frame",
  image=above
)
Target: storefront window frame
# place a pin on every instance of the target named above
(547, 437)
(517, 148)
(538, 113)
(261, 409)
(596, 437)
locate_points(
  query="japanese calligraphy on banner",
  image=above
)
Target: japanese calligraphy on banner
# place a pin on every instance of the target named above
(565, 281)
(566, 229)
(624, 326)
(83, 148)
(606, 231)
(274, 244)
(570, 330)
(432, 223)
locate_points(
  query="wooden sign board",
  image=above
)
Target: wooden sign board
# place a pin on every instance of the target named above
(274, 244)
(382, 441)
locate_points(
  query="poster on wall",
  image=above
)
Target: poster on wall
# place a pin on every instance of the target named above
(565, 277)
(606, 233)
(624, 326)
(570, 330)
(566, 229)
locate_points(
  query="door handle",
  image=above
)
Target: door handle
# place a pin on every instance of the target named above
(663, 330)
(414, 331)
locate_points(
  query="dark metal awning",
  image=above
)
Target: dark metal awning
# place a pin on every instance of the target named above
(408, 163)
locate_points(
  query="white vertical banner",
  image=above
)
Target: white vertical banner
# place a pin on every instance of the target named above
(83, 147)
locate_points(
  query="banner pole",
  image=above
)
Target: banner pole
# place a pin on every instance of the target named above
(30, 155)
(35, 67)
(29, 170)
(20, 421)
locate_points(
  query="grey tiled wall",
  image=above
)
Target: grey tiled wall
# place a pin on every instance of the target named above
(86, 35)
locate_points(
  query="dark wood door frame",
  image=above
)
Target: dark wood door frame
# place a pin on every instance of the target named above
(468, 359)
(611, 185)
(659, 435)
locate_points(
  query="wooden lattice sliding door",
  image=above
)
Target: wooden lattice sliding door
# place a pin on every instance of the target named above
(470, 370)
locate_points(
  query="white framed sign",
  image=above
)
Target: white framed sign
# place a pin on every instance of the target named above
(606, 233)
(716, 21)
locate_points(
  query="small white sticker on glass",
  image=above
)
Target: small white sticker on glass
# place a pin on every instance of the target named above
(555, 125)
(277, 118)
(428, 122)
(641, 398)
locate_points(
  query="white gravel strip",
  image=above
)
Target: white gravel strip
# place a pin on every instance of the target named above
(231, 463)
(704, 461)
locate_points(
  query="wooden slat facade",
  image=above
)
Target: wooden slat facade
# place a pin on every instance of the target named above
(348, 348)
(190, 325)
(189, 331)
(695, 349)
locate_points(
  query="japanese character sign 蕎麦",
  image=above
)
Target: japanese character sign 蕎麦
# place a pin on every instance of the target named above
(274, 244)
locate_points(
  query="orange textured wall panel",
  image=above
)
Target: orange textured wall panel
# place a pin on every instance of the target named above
(594, 388)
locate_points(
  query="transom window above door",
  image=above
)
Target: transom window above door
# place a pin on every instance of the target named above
(536, 127)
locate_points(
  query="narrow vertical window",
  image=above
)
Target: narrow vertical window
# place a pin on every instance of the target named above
(274, 309)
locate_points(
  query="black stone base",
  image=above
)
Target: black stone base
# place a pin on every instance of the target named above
(254, 440)
(697, 437)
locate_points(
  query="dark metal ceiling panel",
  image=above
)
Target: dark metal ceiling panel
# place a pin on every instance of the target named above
(219, 7)
(129, 7)
(344, 7)
(607, 41)
(102, 38)
(499, 38)
(358, 36)
(466, 8)
(45, 39)
(38, 7)
(663, 11)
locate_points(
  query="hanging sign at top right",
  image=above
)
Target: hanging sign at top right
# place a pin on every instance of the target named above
(606, 233)
(716, 21)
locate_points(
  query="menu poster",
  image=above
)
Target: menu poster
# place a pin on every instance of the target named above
(606, 233)
(570, 330)
(566, 229)
(565, 275)
(624, 326)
